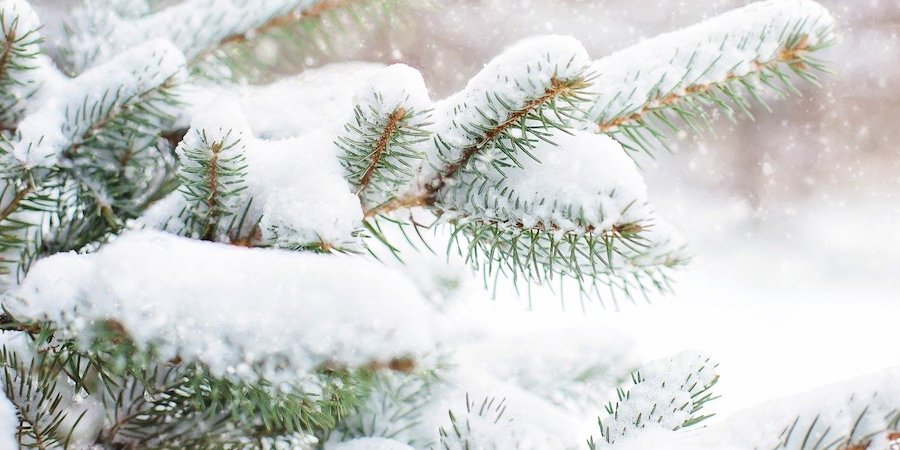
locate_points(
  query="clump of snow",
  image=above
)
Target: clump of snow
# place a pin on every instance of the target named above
(397, 85)
(9, 424)
(63, 120)
(577, 369)
(242, 312)
(298, 192)
(663, 397)
(731, 45)
(223, 139)
(522, 73)
(867, 407)
(371, 443)
(19, 79)
(580, 181)
(316, 99)
(491, 414)
(194, 26)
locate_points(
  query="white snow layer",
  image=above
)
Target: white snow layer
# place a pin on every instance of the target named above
(9, 424)
(20, 79)
(663, 398)
(397, 85)
(299, 194)
(242, 312)
(867, 406)
(371, 443)
(64, 119)
(731, 45)
(580, 180)
(522, 73)
(313, 100)
(193, 25)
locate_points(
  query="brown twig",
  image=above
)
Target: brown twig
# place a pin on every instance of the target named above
(380, 148)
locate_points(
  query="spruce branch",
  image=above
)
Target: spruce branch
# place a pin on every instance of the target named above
(669, 393)
(817, 434)
(501, 140)
(393, 407)
(717, 65)
(472, 428)
(20, 42)
(213, 171)
(378, 147)
(622, 259)
(299, 33)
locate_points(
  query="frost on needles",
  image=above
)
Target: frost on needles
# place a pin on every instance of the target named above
(195, 262)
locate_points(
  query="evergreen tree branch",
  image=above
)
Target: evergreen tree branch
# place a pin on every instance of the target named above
(20, 43)
(669, 83)
(555, 98)
(378, 147)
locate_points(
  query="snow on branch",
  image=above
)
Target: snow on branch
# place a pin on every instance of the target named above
(288, 193)
(243, 313)
(515, 101)
(378, 144)
(673, 76)
(101, 109)
(862, 414)
(194, 26)
(200, 28)
(305, 33)
(667, 395)
(19, 54)
(577, 207)
(213, 173)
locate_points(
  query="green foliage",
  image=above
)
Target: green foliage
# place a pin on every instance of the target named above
(616, 259)
(378, 152)
(212, 174)
(700, 395)
(393, 407)
(689, 106)
(464, 431)
(500, 144)
(19, 48)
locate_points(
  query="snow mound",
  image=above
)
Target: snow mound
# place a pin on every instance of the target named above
(205, 302)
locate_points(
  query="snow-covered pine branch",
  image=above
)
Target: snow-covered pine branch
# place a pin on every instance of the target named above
(189, 300)
(862, 414)
(213, 174)
(235, 32)
(667, 394)
(265, 190)
(378, 146)
(19, 54)
(671, 81)
(98, 30)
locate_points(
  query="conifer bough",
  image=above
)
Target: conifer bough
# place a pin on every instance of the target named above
(192, 263)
